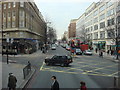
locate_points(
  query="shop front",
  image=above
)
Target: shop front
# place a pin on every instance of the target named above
(101, 45)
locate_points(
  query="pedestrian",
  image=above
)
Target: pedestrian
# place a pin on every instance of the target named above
(102, 54)
(108, 52)
(55, 84)
(12, 82)
(112, 52)
(29, 65)
(83, 86)
(96, 50)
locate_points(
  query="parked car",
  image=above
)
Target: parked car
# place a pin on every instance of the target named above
(88, 52)
(78, 51)
(64, 60)
(53, 47)
(68, 48)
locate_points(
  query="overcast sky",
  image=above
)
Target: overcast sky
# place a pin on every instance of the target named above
(60, 12)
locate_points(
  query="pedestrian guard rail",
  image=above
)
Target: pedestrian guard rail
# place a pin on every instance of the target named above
(26, 71)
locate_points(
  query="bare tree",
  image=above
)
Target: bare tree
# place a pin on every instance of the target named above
(51, 34)
(83, 34)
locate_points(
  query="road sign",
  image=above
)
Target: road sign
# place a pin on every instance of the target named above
(7, 39)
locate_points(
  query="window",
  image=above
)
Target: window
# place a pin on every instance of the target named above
(111, 34)
(96, 12)
(8, 25)
(110, 12)
(95, 35)
(13, 24)
(13, 14)
(110, 22)
(21, 13)
(95, 27)
(118, 8)
(4, 24)
(118, 19)
(4, 6)
(96, 20)
(0, 6)
(14, 4)
(21, 23)
(109, 4)
(8, 14)
(102, 25)
(21, 4)
(102, 16)
(9, 5)
(102, 35)
(102, 8)
(4, 15)
(91, 28)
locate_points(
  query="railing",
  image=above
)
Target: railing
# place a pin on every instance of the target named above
(26, 70)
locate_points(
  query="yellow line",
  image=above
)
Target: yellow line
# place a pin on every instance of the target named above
(101, 68)
(84, 73)
(42, 66)
(115, 73)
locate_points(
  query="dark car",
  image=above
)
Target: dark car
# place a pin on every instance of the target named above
(64, 60)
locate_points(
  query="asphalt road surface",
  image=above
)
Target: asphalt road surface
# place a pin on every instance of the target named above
(95, 71)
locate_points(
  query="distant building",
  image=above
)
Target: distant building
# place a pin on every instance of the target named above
(66, 35)
(23, 25)
(72, 28)
(99, 22)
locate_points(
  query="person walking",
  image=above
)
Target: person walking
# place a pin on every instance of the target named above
(108, 52)
(12, 82)
(29, 65)
(96, 50)
(83, 86)
(55, 84)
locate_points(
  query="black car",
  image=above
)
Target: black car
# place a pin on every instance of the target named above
(64, 60)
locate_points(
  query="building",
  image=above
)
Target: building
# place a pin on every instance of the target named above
(23, 26)
(99, 24)
(65, 35)
(72, 28)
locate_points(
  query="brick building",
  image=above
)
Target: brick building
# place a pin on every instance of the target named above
(72, 28)
(23, 26)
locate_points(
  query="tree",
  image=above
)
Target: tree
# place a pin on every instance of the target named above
(51, 34)
(64, 38)
(83, 34)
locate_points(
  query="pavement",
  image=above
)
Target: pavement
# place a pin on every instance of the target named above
(107, 56)
(17, 70)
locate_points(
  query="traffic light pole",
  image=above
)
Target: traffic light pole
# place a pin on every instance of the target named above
(7, 54)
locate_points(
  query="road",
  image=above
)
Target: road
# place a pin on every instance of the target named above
(95, 71)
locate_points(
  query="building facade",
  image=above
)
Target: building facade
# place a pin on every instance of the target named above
(72, 28)
(23, 26)
(99, 24)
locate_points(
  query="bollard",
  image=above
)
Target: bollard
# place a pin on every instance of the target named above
(115, 82)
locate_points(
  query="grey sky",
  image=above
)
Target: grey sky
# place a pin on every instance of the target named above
(61, 12)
